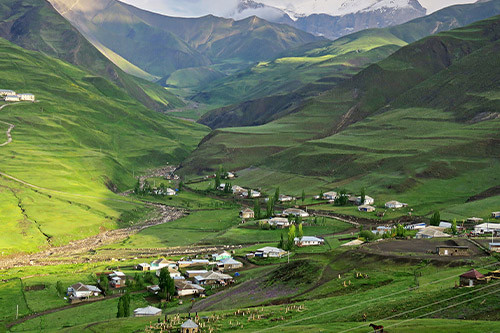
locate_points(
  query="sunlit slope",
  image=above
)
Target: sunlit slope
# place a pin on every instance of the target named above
(425, 118)
(85, 137)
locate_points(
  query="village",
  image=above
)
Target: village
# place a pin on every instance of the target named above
(12, 96)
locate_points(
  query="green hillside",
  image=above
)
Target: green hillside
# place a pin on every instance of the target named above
(415, 126)
(316, 67)
(36, 25)
(160, 45)
(83, 138)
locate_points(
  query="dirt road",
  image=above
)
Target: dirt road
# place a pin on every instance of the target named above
(11, 127)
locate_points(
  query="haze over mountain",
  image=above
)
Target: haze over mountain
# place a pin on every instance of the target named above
(328, 18)
(160, 45)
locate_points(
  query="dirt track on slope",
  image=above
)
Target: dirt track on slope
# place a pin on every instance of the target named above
(11, 127)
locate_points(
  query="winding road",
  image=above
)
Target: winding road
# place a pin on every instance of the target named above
(11, 127)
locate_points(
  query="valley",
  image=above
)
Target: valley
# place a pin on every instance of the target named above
(320, 168)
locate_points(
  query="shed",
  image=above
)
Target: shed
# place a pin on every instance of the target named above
(471, 278)
(495, 215)
(147, 311)
(487, 228)
(431, 232)
(475, 220)
(229, 264)
(448, 250)
(27, 97)
(366, 208)
(247, 214)
(494, 247)
(395, 204)
(189, 327)
(332, 195)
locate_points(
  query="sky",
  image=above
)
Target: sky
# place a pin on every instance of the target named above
(227, 8)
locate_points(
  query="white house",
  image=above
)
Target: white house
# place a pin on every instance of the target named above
(12, 98)
(295, 212)
(186, 288)
(174, 273)
(147, 311)
(495, 215)
(431, 232)
(27, 97)
(213, 278)
(253, 194)
(395, 204)
(308, 241)
(229, 264)
(81, 290)
(159, 264)
(7, 92)
(238, 190)
(368, 201)
(416, 226)
(270, 252)
(445, 225)
(381, 230)
(279, 222)
(330, 195)
(487, 228)
(285, 198)
(366, 208)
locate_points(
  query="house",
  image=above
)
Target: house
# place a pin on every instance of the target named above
(143, 267)
(279, 222)
(445, 225)
(195, 272)
(211, 278)
(117, 279)
(7, 92)
(366, 208)
(416, 226)
(431, 232)
(12, 98)
(238, 190)
(308, 241)
(253, 194)
(220, 256)
(286, 198)
(475, 220)
(381, 230)
(330, 195)
(495, 215)
(472, 278)
(487, 228)
(494, 247)
(395, 204)
(186, 288)
(357, 200)
(247, 214)
(230, 175)
(155, 289)
(147, 312)
(194, 262)
(173, 272)
(189, 327)
(81, 290)
(295, 212)
(170, 192)
(447, 250)
(27, 97)
(221, 187)
(159, 264)
(270, 252)
(229, 264)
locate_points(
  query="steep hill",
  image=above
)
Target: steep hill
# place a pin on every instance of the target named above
(35, 25)
(160, 45)
(314, 68)
(84, 138)
(415, 126)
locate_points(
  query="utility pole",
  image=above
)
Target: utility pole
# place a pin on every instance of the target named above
(288, 252)
(17, 311)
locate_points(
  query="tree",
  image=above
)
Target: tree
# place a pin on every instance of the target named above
(342, 198)
(321, 194)
(303, 195)
(277, 195)
(281, 244)
(126, 305)
(367, 235)
(256, 209)
(137, 187)
(435, 219)
(400, 231)
(454, 226)
(300, 233)
(166, 283)
(363, 196)
(217, 181)
(181, 186)
(290, 244)
(270, 207)
(121, 311)
(60, 288)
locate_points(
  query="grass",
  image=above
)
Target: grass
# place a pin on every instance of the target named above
(83, 137)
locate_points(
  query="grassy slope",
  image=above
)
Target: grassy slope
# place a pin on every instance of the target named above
(36, 25)
(410, 111)
(84, 134)
(320, 66)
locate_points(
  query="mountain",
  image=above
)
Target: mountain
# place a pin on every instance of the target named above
(160, 45)
(273, 89)
(83, 139)
(415, 126)
(35, 25)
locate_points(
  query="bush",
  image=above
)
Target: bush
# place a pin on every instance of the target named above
(367, 235)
